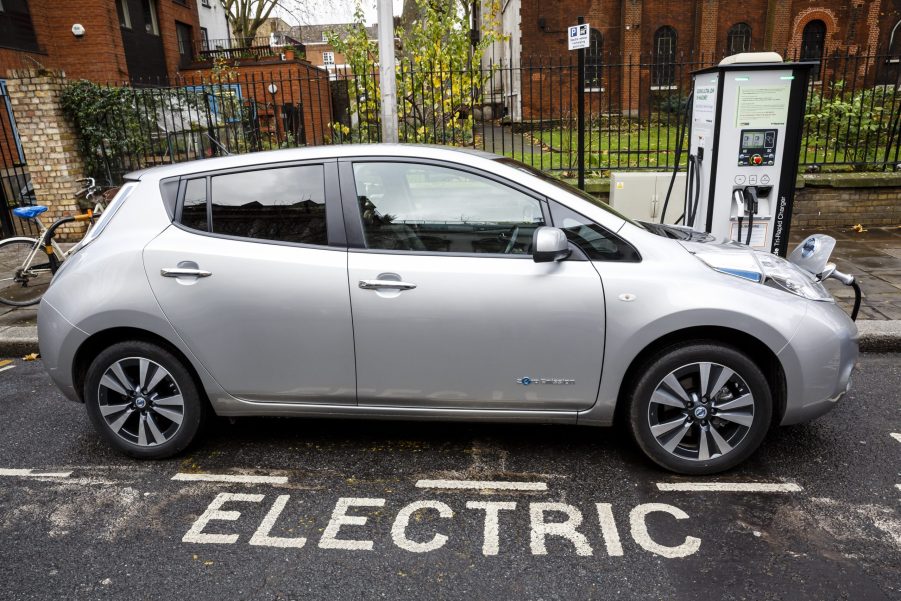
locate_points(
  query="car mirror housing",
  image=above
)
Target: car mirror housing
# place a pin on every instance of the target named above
(549, 244)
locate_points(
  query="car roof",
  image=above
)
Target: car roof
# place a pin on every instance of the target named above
(468, 156)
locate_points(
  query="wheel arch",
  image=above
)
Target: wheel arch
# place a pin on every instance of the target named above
(97, 342)
(755, 349)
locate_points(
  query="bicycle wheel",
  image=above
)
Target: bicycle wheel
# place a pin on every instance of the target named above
(22, 287)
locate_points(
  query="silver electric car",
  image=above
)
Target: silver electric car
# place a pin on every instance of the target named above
(411, 282)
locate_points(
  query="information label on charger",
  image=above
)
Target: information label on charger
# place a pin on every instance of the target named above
(762, 106)
(578, 37)
(758, 234)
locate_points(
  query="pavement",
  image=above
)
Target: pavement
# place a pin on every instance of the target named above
(874, 256)
(274, 508)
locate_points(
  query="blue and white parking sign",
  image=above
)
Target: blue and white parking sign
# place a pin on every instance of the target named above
(578, 36)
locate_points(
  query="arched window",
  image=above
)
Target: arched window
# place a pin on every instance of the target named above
(813, 40)
(738, 39)
(664, 69)
(594, 59)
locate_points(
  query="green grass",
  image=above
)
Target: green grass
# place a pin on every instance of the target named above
(654, 147)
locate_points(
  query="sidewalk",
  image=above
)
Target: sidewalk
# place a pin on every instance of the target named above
(873, 256)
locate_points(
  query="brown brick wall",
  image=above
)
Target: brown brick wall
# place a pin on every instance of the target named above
(297, 82)
(825, 207)
(99, 55)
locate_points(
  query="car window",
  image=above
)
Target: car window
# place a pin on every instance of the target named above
(409, 206)
(597, 243)
(193, 212)
(285, 204)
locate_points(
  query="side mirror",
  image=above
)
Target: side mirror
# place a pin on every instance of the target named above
(549, 244)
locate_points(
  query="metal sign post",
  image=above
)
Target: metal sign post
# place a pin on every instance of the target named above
(578, 40)
(387, 81)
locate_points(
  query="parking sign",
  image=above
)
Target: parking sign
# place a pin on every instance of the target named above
(578, 36)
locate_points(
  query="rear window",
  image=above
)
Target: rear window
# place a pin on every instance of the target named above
(285, 204)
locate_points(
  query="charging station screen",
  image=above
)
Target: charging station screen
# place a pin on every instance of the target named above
(751, 139)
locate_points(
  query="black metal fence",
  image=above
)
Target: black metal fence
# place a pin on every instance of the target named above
(634, 107)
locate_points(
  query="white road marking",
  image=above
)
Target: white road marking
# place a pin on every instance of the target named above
(340, 518)
(608, 529)
(262, 538)
(491, 542)
(399, 529)
(638, 522)
(7, 367)
(30, 473)
(230, 478)
(728, 487)
(214, 512)
(565, 529)
(895, 435)
(480, 485)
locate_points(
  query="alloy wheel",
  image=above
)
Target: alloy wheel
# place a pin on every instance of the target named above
(140, 401)
(701, 411)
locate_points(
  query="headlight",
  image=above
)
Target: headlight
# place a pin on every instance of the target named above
(781, 274)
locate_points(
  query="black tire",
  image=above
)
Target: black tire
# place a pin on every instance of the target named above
(692, 455)
(22, 293)
(102, 400)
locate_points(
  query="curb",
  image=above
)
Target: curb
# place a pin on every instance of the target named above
(876, 336)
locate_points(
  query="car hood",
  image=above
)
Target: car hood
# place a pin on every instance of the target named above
(727, 257)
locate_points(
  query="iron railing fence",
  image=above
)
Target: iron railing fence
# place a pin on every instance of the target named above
(634, 108)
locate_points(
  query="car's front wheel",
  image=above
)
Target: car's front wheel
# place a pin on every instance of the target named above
(700, 408)
(142, 399)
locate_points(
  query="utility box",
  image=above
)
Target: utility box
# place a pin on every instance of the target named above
(640, 195)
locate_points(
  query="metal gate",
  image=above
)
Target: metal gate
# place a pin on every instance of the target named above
(15, 181)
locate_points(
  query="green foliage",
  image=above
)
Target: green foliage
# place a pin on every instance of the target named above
(856, 123)
(439, 76)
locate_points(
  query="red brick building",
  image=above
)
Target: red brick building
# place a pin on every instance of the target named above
(101, 40)
(643, 46)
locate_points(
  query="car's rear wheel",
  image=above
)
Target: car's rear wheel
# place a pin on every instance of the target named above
(142, 399)
(700, 408)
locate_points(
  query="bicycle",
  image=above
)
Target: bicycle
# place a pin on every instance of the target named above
(23, 281)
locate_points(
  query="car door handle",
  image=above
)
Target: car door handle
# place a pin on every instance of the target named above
(390, 284)
(177, 272)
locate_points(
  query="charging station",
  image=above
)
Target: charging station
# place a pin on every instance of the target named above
(744, 140)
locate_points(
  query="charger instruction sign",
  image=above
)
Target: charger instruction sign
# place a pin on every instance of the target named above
(578, 37)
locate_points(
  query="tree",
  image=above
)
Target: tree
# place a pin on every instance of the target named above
(439, 77)
(245, 17)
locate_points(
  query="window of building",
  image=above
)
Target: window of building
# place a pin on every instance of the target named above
(284, 204)
(428, 208)
(325, 36)
(124, 15)
(664, 57)
(204, 39)
(328, 59)
(813, 41)
(16, 28)
(151, 25)
(194, 207)
(597, 243)
(594, 60)
(738, 39)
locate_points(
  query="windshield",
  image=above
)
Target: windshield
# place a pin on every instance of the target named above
(567, 188)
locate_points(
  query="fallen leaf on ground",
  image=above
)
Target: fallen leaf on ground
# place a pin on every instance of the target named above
(31, 357)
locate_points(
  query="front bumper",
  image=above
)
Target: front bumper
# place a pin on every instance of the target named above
(818, 362)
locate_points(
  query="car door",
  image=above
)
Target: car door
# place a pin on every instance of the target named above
(253, 277)
(449, 309)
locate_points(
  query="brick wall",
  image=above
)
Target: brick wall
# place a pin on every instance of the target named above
(50, 144)
(825, 207)
(99, 55)
(835, 207)
(296, 81)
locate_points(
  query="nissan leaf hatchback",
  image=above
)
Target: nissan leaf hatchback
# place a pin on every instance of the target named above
(412, 282)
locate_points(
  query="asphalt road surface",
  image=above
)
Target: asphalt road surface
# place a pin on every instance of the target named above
(303, 509)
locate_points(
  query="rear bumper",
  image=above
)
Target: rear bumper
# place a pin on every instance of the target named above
(59, 340)
(818, 363)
